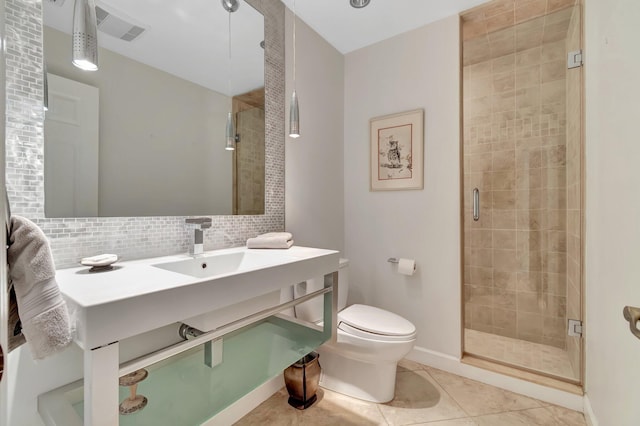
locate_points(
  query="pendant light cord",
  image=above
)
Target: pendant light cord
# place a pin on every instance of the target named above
(229, 80)
(294, 114)
(294, 44)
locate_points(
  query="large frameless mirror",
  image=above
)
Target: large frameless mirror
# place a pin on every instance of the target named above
(144, 135)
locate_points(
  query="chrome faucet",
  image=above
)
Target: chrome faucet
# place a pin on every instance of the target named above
(198, 224)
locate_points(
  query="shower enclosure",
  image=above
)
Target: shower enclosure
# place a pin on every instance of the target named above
(522, 185)
(249, 155)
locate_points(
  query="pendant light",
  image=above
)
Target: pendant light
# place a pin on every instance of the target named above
(230, 133)
(85, 35)
(294, 113)
(230, 129)
(45, 97)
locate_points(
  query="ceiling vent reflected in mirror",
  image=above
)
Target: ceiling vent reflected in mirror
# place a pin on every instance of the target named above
(116, 26)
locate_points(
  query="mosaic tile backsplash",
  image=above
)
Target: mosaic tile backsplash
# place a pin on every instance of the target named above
(129, 237)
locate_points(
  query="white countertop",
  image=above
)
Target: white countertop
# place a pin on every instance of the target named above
(136, 296)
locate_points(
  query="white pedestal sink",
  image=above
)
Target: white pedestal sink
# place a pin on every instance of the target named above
(143, 295)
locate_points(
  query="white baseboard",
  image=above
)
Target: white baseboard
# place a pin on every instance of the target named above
(453, 365)
(247, 403)
(588, 412)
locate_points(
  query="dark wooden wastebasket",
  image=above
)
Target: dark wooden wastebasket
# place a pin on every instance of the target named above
(302, 379)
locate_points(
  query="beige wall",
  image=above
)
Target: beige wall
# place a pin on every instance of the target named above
(314, 196)
(182, 155)
(417, 69)
(612, 269)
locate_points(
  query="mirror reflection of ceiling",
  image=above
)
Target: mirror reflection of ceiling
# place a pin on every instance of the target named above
(179, 34)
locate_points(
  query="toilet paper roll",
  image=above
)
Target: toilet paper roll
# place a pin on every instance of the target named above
(406, 266)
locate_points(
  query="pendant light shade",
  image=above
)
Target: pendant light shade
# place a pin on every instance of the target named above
(294, 117)
(230, 133)
(85, 37)
(230, 129)
(45, 98)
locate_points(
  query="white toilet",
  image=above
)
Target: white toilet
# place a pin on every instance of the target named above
(370, 343)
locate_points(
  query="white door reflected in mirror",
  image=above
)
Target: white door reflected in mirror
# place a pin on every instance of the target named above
(71, 149)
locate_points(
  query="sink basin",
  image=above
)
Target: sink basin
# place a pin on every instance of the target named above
(219, 264)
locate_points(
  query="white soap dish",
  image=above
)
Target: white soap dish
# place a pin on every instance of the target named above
(101, 262)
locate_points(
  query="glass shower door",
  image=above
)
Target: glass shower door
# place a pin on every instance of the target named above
(522, 190)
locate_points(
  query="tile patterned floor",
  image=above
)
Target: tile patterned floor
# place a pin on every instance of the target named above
(535, 356)
(424, 396)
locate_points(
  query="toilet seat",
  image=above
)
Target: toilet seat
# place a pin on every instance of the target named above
(374, 323)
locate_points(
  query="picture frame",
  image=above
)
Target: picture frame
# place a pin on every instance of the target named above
(397, 146)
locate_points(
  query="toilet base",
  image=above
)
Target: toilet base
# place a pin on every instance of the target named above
(362, 380)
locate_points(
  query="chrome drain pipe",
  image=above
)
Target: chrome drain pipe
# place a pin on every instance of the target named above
(187, 332)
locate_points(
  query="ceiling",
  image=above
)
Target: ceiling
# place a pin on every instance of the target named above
(186, 38)
(348, 29)
(189, 38)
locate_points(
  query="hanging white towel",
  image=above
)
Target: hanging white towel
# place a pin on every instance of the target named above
(43, 312)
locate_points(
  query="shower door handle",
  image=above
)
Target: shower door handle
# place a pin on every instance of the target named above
(476, 204)
(632, 315)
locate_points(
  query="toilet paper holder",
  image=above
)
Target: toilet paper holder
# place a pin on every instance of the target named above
(405, 266)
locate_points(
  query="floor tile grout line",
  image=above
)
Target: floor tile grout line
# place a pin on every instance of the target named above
(445, 391)
(517, 411)
(541, 403)
(382, 414)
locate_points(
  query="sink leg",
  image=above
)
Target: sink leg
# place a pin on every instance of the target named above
(101, 371)
(208, 355)
(330, 316)
(213, 353)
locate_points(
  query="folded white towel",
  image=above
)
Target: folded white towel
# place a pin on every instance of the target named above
(42, 310)
(271, 240)
(282, 235)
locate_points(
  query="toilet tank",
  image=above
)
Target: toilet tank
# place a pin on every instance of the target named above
(313, 309)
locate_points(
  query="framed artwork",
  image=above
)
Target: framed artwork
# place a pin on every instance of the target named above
(397, 144)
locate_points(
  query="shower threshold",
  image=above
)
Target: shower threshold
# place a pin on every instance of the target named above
(530, 361)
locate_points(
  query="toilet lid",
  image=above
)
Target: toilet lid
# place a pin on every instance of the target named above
(375, 320)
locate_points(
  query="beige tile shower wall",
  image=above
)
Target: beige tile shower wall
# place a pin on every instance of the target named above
(250, 162)
(501, 14)
(515, 154)
(574, 156)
